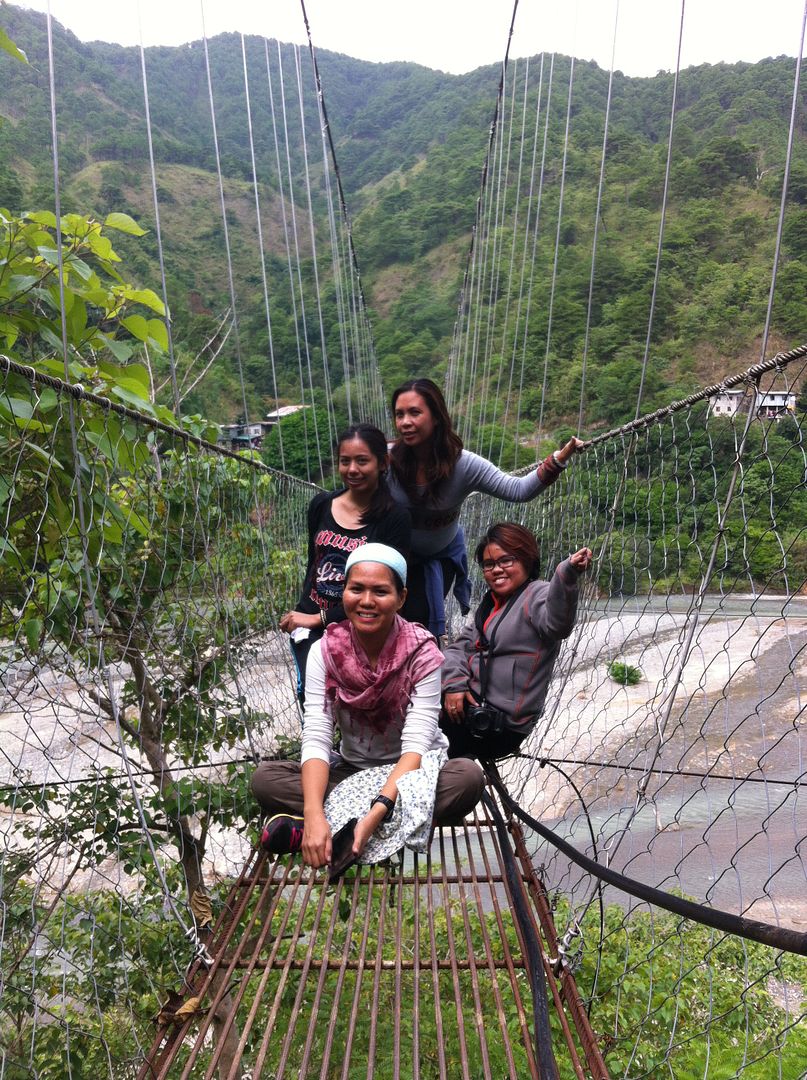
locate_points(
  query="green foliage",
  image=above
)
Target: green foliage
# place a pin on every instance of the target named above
(125, 541)
(306, 450)
(674, 997)
(625, 674)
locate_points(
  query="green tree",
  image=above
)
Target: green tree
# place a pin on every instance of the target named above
(127, 549)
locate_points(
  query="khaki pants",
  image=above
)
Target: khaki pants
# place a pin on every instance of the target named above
(278, 787)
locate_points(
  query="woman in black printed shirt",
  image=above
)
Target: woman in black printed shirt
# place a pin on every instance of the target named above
(338, 522)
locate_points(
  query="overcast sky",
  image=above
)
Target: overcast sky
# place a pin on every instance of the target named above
(460, 35)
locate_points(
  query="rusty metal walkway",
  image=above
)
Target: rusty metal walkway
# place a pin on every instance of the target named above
(415, 968)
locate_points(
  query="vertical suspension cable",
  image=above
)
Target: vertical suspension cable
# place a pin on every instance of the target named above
(557, 243)
(475, 229)
(493, 313)
(297, 272)
(530, 275)
(502, 177)
(663, 214)
(261, 255)
(360, 317)
(312, 232)
(225, 228)
(785, 181)
(505, 416)
(158, 228)
(535, 235)
(284, 219)
(90, 581)
(600, 185)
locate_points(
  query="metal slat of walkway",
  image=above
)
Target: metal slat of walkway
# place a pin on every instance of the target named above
(410, 969)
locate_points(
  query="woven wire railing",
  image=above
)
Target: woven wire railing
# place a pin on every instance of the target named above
(141, 580)
(143, 574)
(672, 747)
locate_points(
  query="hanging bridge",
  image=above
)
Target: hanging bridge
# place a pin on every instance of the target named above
(629, 899)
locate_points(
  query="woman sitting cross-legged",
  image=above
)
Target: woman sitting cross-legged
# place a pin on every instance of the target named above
(496, 674)
(377, 677)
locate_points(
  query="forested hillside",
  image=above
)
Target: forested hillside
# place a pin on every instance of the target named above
(410, 145)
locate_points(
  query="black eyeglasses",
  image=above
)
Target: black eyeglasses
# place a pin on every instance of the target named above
(504, 561)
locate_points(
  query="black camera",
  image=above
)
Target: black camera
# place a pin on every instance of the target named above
(484, 720)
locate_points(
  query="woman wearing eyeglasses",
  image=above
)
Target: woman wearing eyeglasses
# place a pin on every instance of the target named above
(496, 674)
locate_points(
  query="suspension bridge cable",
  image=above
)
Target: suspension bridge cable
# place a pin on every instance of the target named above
(362, 310)
(777, 937)
(532, 947)
(556, 257)
(315, 270)
(483, 183)
(535, 232)
(261, 254)
(284, 217)
(157, 223)
(664, 197)
(91, 581)
(785, 180)
(224, 225)
(597, 213)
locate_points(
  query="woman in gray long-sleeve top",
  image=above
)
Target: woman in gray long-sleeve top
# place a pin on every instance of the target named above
(496, 674)
(432, 475)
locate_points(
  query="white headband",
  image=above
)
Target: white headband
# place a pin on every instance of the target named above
(380, 553)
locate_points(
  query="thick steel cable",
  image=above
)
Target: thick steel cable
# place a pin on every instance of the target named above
(76, 392)
(532, 947)
(776, 937)
(749, 375)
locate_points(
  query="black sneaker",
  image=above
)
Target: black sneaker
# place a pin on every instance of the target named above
(282, 834)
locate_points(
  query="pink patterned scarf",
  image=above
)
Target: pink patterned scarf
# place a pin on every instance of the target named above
(377, 698)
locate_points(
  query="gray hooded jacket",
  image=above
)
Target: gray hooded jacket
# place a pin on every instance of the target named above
(525, 647)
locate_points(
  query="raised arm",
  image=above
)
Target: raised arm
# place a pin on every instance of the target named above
(553, 609)
(483, 475)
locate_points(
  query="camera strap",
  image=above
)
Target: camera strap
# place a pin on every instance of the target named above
(484, 644)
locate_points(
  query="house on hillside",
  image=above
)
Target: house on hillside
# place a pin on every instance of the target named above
(240, 436)
(250, 436)
(768, 404)
(775, 403)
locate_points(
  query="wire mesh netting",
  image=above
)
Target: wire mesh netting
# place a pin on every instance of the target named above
(672, 746)
(142, 578)
(143, 671)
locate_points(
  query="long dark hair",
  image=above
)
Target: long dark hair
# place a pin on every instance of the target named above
(515, 540)
(376, 442)
(445, 448)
